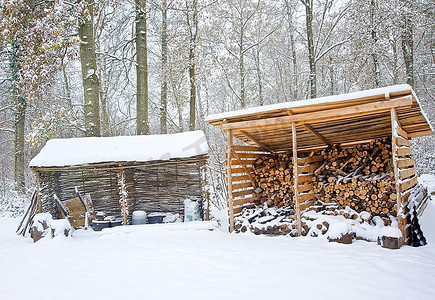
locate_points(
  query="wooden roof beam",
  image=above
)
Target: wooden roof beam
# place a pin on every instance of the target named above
(313, 131)
(256, 141)
(324, 115)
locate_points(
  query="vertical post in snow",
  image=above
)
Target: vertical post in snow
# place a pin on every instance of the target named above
(229, 181)
(38, 193)
(296, 180)
(123, 195)
(394, 127)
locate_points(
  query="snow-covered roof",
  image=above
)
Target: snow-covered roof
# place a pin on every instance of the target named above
(338, 119)
(141, 148)
(309, 102)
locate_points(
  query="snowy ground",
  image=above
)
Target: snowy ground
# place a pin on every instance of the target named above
(189, 261)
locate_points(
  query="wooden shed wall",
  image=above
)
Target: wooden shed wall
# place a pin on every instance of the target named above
(154, 188)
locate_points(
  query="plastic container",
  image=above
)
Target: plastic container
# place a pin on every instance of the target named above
(192, 210)
(138, 217)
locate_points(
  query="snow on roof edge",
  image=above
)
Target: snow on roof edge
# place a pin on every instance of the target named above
(141, 148)
(307, 102)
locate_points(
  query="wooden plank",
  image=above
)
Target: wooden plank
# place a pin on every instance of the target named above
(309, 159)
(407, 173)
(247, 162)
(259, 143)
(408, 184)
(240, 178)
(325, 115)
(394, 126)
(242, 162)
(248, 149)
(243, 201)
(313, 131)
(243, 193)
(402, 133)
(420, 134)
(400, 141)
(307, 204)
(304, 178)
(230, 180)
(238, 186)
(305, 188)
(296, 181)
(240, 170)
(405, 163)
(318, 135)
(305, 169)
(404, 151)
(306, 196)
(246, 155)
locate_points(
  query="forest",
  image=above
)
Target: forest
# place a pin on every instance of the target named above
(109, 68)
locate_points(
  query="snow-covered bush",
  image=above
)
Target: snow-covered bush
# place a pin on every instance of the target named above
(12, 202)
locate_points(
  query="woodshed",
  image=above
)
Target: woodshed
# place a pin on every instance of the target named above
(349, 150)
(154, 173)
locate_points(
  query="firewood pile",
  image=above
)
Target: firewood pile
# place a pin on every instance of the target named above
(360, 177)
(274, 175)
(267, 220)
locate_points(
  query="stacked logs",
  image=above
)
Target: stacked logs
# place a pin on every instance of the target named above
(360, 177)
(274, 175)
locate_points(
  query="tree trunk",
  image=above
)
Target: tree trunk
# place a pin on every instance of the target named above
(377, 71)
(193, 28)
(311, 50)
(408, 49)
(259, 78)
(20, 114)
(293, 50)
(142, 125)
(19, 118)
(242, 66)
(164, 83)
(89, 74)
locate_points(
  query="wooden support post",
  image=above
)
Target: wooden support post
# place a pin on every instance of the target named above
(394, 127)
(123, 195)
(296, 180)
(38, 193)
(230, 182)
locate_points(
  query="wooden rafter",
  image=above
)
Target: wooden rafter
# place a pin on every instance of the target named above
(256, 141)
(313, 131)
(324, 115)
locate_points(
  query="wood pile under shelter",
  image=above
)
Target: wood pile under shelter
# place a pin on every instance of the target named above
(154, 173)
(349, 150)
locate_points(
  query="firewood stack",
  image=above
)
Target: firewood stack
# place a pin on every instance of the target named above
(360, 177)
(274, 175)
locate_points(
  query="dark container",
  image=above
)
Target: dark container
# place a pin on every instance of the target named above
(116, 222)
(154, 219)
(100, 225)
